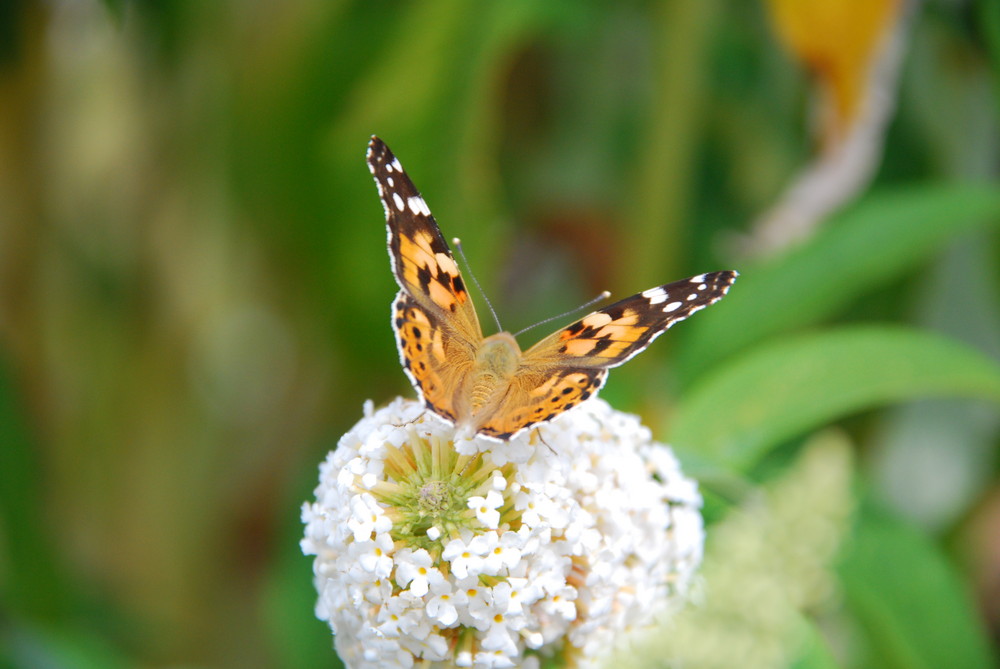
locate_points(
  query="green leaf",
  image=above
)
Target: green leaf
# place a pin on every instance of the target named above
(908, 600)
(75, 646)
(881, 238)
(798, 384)
(814, 652)
(33, 583)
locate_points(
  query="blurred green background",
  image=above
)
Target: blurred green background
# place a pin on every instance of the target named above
(194, 292)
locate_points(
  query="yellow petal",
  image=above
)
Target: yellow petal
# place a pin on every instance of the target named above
(838, 41)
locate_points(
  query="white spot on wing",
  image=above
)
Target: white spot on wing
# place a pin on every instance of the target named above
(399, 201)
(697, 279)
(673, 306)
(693, 296)
(394, 166)
(418, 206)
(655, 295)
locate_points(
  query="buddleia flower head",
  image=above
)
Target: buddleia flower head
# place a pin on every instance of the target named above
(434, 552)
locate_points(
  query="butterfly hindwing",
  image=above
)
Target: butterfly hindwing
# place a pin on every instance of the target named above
(539, 396)
(434, 360)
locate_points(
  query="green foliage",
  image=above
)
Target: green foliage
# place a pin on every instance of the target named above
(194, 295)
(815, 652)
(912, 608)
(74, 646)
(874, 243)
(802, 383)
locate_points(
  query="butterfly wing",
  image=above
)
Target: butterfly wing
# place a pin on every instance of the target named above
(611, 336)
(437, 331)
(569, 366)
(538, 395)
(435, 359)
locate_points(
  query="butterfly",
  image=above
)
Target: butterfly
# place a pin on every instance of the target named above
(486, 386)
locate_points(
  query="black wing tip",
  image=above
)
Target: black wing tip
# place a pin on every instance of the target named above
(378, 151)
(725, 275)
(722, 280)
(375, 145)
(729, 278)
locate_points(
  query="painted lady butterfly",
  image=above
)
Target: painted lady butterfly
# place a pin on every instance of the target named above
(486, 385)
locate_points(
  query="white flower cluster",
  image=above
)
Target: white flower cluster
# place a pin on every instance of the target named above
(432, 552)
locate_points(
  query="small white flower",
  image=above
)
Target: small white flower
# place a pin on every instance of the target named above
(376, 592)
(413, 569)
(402, 615)
(443, 606)
(479, 600)
(433, 648)
(512, 595)
(561, 604)
(496, 659)
(501, 551)
(375, 556)
(367, 517)
(486, 508)
(500, 636)
(465, 558)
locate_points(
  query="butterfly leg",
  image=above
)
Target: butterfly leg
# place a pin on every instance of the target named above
(538, 433)
(418, 419)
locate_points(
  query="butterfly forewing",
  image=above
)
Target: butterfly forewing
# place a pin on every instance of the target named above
(569, 366)
(421, 259)
(608, 337)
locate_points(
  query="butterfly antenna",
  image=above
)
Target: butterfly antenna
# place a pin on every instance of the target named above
(603, 296)
(461, 254)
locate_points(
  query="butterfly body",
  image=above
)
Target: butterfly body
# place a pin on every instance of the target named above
(497, 360)
(486, 385)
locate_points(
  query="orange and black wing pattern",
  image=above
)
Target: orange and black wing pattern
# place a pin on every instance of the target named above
(437, 330)
(570, 365)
